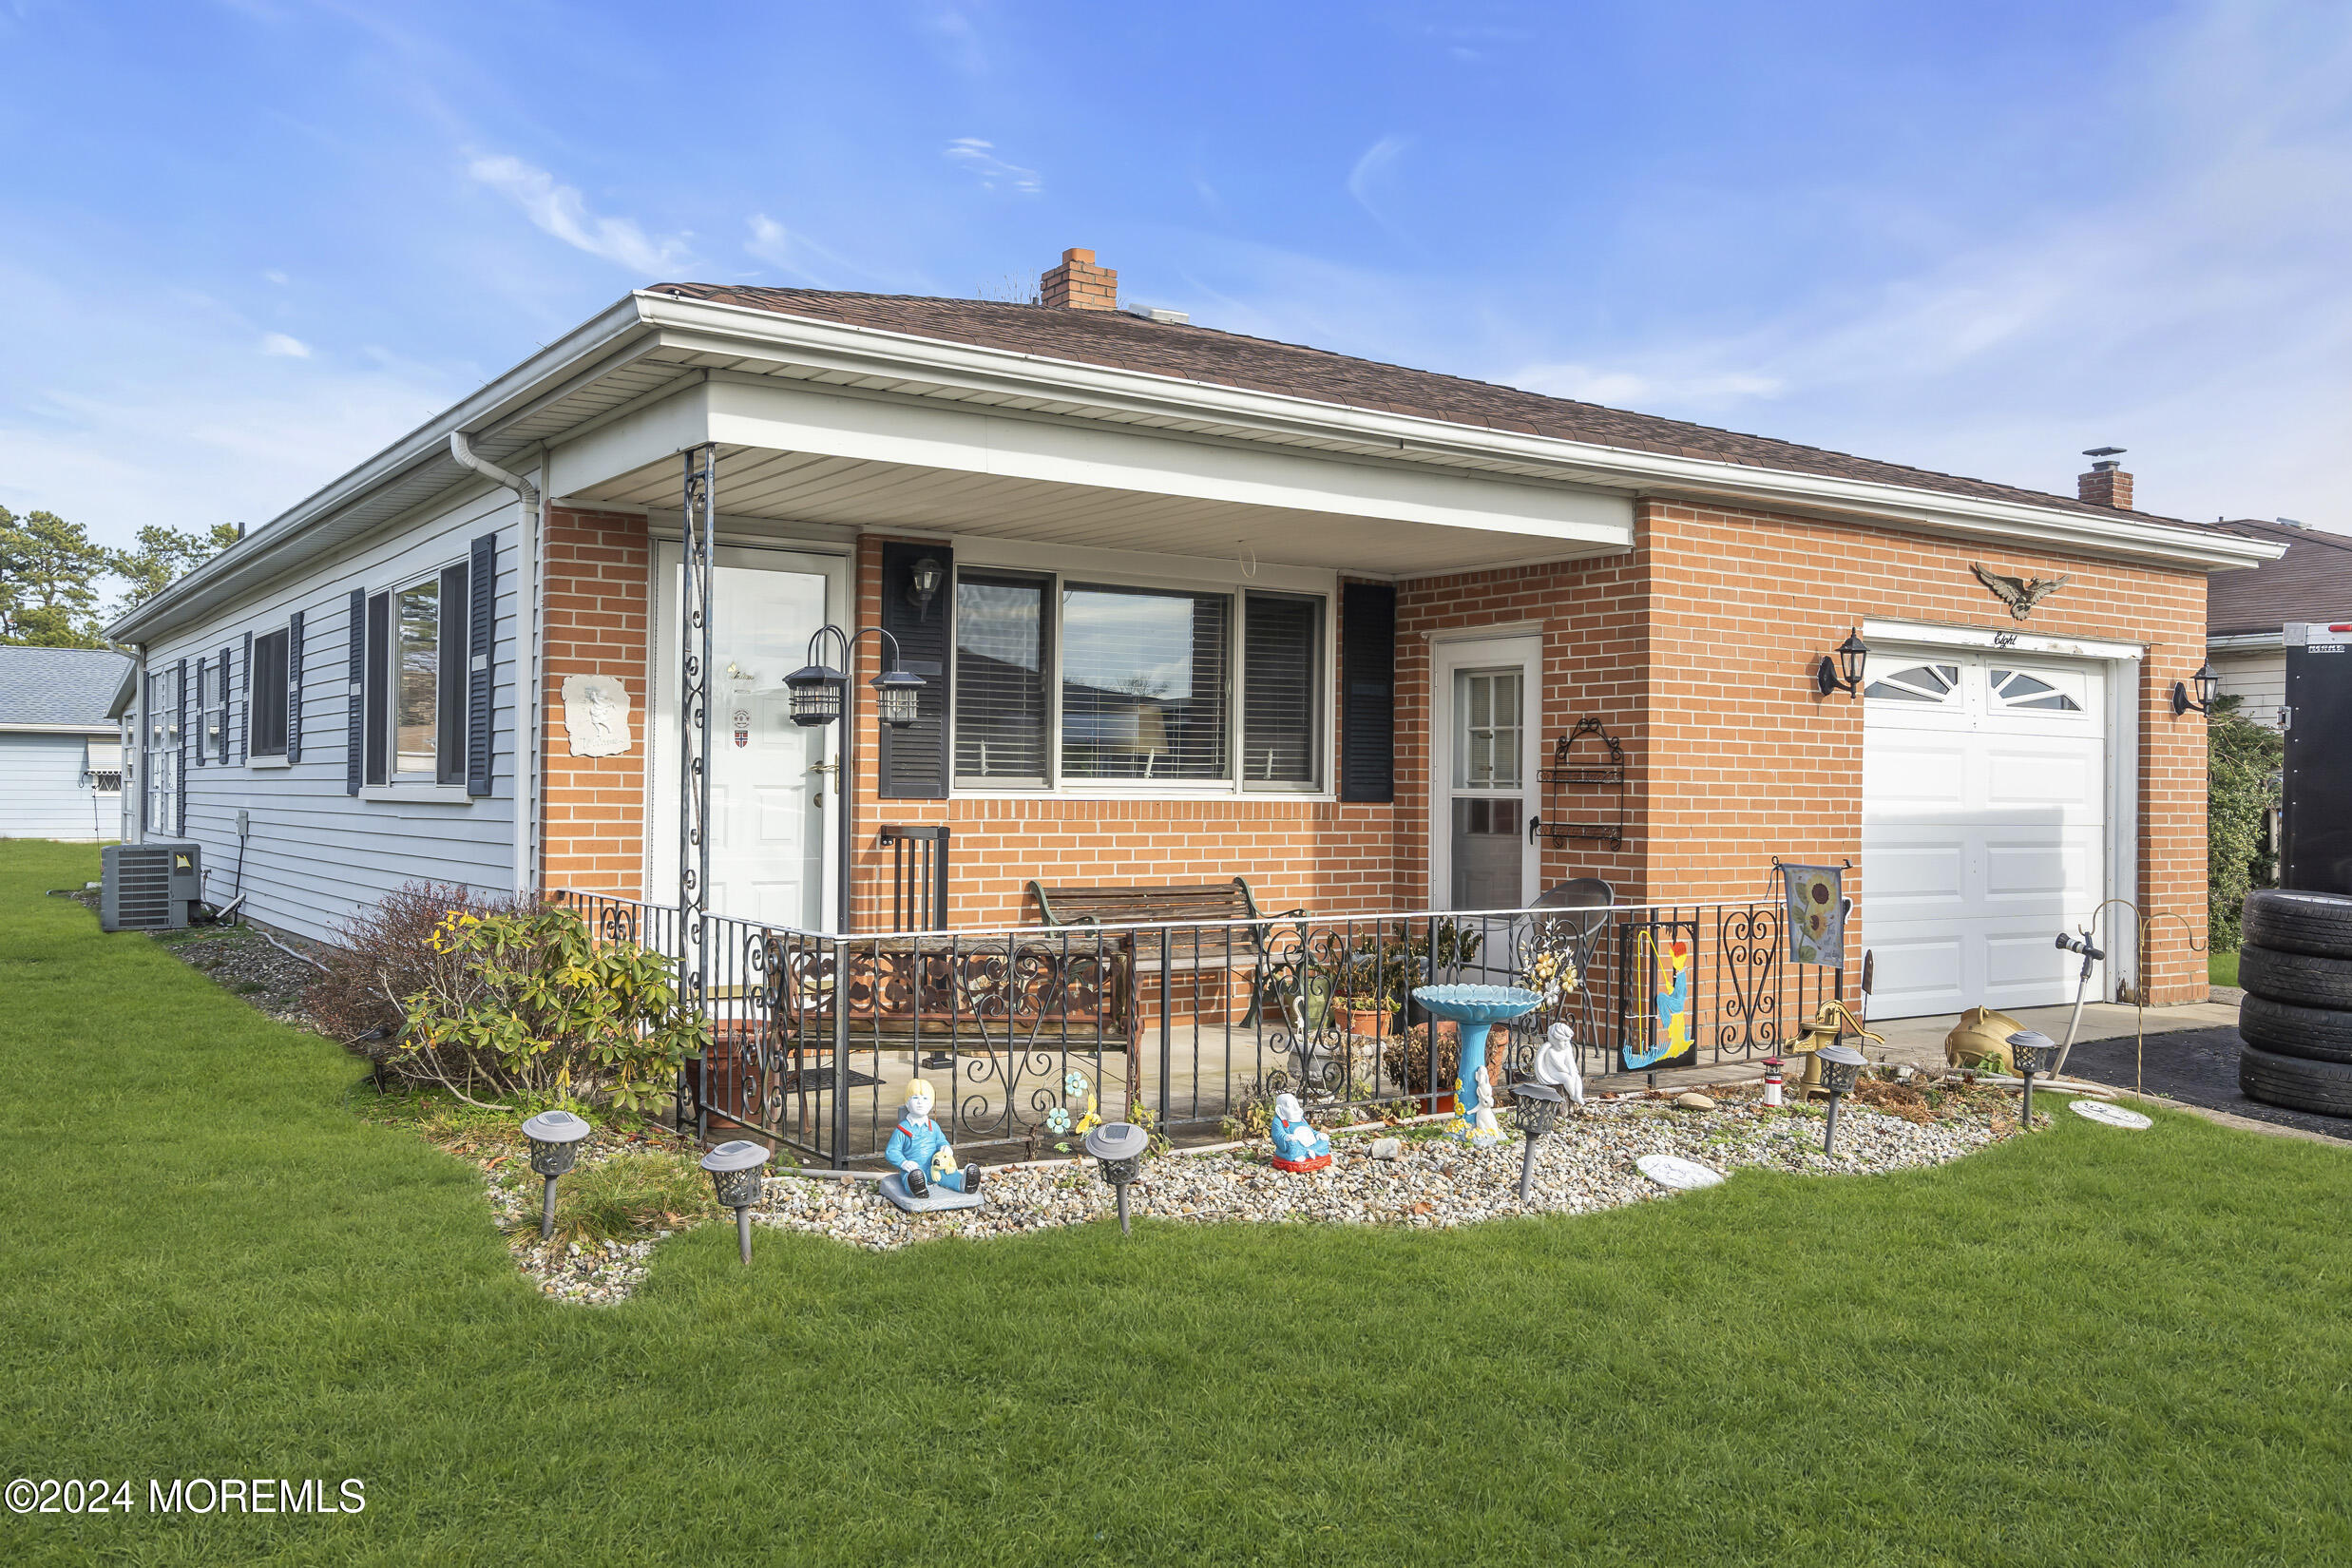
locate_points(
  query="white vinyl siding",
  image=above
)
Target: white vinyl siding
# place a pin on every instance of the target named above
(46, 790)
(318, 854)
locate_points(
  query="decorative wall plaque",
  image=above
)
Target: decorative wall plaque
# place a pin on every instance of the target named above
(595, 715)
(2019, 593)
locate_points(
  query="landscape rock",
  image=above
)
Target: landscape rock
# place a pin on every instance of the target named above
(1690, 1099)
(1387, 1148)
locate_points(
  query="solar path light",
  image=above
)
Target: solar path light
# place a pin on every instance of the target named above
(555, 1138)
(735, 1177)
(1841, 1069)
(1119, 1148)
(1539, 1105)
(2032, 1052)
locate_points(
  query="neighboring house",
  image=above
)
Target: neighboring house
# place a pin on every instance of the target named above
(2246, 612)
(61, 756)
(1186, 604)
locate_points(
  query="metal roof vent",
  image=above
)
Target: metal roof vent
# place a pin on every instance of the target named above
(1158, 312)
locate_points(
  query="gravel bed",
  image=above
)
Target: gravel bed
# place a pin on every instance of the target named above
(1587, 1165)
(583, 1273)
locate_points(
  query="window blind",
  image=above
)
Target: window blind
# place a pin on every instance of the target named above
(1143, 683)
(1281, 673)
(1002, 657)
(266, 710)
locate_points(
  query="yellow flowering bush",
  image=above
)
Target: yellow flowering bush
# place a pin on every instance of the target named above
(528, 1004)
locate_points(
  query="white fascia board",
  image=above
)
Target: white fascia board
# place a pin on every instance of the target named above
(104, 729)
(740, 330)
(599, 345)
(784, 416)
(2247, 641)
(1924, 633)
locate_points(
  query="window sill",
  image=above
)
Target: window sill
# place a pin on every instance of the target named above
(267, 762)
(418, 794)
(1104, 790)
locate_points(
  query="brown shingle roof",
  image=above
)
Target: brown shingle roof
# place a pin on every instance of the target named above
(2312, 582)
(1203, 353)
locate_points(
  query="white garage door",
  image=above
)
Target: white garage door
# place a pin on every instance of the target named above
(1983, 826)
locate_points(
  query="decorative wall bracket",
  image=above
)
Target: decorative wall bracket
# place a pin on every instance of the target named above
(1596, 777)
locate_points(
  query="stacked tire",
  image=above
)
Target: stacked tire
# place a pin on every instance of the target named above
(2297, 1016)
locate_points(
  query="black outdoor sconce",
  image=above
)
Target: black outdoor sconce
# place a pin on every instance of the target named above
(925, 580)
(2203, 702)
(820, 696)
(1842, 671)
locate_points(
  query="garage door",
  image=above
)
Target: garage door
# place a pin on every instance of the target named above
(1983, 826)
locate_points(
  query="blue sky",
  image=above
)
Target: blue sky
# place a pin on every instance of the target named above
(251, 241)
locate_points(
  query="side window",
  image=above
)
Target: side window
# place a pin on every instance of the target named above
(267, 734)
(1916, 683)
(416, 681)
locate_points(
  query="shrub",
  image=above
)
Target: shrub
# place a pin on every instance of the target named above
(530, 1004)
(2243, 760)
(383, 956)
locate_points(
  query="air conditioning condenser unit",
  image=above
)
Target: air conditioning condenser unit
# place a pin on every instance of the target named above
(149, 887)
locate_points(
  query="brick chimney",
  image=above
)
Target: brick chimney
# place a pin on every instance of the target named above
(1078, 285)
(2106, 485)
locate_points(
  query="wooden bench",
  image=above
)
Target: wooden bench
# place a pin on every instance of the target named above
(1198, 944)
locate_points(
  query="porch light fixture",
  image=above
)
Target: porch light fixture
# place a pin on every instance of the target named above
(555, 1138)
(1538, 1106)
(1118, 1148)
(2207, 683)
(736, 1177)
(1841, 1069)
(822, 693)
(2032, 1052)
(1841, 671)
(925, 582)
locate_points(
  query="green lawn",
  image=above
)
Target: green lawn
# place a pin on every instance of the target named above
(2221, 968)
(2081, 1347)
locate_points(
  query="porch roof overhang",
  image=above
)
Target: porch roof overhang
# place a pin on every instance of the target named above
(1050, 442)
(866, 460)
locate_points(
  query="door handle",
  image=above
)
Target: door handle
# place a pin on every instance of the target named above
(823, 767)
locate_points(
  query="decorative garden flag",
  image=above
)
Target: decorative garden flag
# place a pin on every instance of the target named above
(1816, 915)
(1659, 961)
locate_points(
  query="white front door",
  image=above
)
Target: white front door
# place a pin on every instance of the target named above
(1488, 705)
(1983, 826)
(773, 795)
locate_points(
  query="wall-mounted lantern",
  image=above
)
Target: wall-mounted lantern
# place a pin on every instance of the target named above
(925, 580)
(1841, 671)
(2203, 702)
(555, 1138)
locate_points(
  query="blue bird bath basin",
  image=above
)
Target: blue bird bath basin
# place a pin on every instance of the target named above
(1476, 1010)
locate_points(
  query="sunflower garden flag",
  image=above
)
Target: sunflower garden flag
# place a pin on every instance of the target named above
(1816, 915)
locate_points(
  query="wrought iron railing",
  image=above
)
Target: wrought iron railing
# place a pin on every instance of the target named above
(815, 1037)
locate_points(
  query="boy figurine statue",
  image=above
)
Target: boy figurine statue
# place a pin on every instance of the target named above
(1299, 1144)
(919, 1149)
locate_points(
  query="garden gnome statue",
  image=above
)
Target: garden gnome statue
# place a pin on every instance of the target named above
(1556, 1062)
(1299, 1145)
(920, 1149)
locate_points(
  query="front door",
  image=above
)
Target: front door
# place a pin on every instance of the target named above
(772, 781)
(1488, 702)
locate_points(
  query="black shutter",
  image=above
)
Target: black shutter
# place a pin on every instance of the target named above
(293, 687)
(180, 770)
(201, 699)
(914, 759)
(450, 633)
(483, 616)
(376, 744)
(1367, 653)
(244, 717)
(353, 727)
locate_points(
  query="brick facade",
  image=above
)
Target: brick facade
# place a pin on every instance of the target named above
(1696, 650)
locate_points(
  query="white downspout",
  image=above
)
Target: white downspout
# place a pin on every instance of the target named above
(461, 449)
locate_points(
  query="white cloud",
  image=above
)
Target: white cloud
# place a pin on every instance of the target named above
(273, 275)
(278, 345)
(1372, 172)
(796, 255)
(559, 210)
(992, 172)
